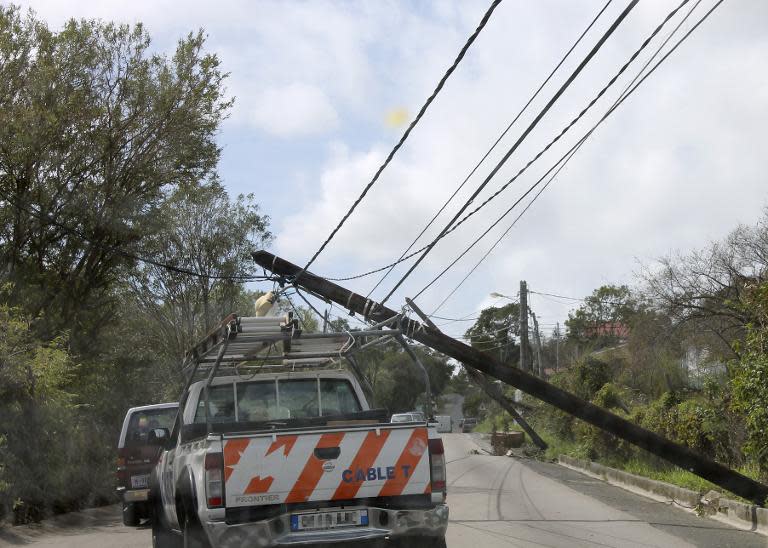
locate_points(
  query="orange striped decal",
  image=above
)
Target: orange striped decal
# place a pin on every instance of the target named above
(313, 470)
(364, 459)
(287, 442)
(259, 485)
(415, 449)
(233, 450)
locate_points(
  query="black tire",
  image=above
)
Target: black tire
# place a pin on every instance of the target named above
(130, 515)
(194, 536)
(421, 542)
(162, 537)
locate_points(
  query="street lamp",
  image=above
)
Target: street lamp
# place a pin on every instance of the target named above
(501, 296)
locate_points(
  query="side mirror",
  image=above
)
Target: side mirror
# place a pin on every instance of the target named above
(158, 436)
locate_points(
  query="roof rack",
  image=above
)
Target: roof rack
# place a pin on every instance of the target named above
(274, 342)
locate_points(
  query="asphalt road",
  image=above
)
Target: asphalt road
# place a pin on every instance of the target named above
(494, 501)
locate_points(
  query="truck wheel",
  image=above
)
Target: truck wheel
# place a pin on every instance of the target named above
(162, 537)
(130, 515)
(194, 536)
(421, 542)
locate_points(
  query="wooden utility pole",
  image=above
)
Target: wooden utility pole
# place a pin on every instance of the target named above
(557, 348)
(524, 361)
(487, 386)
(573, 405)
(537, 343)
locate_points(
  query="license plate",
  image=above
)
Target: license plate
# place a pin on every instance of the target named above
(329, 520)
(140, 482)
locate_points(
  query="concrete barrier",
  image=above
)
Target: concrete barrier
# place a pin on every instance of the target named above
(713, 505)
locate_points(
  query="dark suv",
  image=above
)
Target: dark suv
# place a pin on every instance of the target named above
(137, 456)
(467, 425)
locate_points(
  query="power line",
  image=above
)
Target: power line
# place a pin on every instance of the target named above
(570, 152)
(517, 143)
(455, 289)
(415, 121)
(491, 149)
(625, 93)
(473, 212)
(574, 298)
(50, 221)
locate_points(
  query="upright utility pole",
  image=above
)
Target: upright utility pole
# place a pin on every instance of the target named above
(557, 348)
(524, 326)
(537, 343)
(372, 311)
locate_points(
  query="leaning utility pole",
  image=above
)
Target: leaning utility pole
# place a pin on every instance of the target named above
(487, 386)
(597, 416)
(524, 327)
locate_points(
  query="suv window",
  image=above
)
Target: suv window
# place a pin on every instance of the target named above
(142, 421)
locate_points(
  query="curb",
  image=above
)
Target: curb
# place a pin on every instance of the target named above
(737, 514)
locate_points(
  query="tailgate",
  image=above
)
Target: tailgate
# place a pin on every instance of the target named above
(332, 465)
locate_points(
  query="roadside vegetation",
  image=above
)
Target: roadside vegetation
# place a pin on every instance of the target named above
(109, 199)
(684, 353)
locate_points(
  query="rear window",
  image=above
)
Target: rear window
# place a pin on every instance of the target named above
(142, 421)
(278, 400)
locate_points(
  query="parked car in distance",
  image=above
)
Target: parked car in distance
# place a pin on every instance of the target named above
(468, 424)
(418, 416)
(137, 454)
(444, 423)
(403, 417)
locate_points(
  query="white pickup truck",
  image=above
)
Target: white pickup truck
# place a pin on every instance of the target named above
(292, 458)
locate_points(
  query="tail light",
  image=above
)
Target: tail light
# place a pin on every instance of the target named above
(122, 472)
(437, 464)
(214, 476)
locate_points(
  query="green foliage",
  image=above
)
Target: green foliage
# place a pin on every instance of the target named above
(654, 353)
(108, 151)
(398, 384)
(494, 331)
(96, 130)
(603, 316)
(43, 433)
(750, 381)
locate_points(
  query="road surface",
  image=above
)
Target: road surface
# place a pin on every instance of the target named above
(494, 501)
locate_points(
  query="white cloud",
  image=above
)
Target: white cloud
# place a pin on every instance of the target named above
(679, 163)
(293, 110)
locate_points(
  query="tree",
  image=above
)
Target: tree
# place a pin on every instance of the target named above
(494, 331)
(705, 289)
(95, 131)
(604, 317)
(750, 380)
(397, 382)
(203, 231)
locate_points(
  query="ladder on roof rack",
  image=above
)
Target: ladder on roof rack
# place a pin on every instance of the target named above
(251, 342)
(243, 341)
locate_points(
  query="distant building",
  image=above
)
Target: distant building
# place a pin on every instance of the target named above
(608, 329)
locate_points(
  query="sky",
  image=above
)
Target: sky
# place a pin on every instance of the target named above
(324, 89)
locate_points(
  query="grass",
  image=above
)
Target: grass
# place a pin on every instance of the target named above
(674, 475)
(640, 467)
